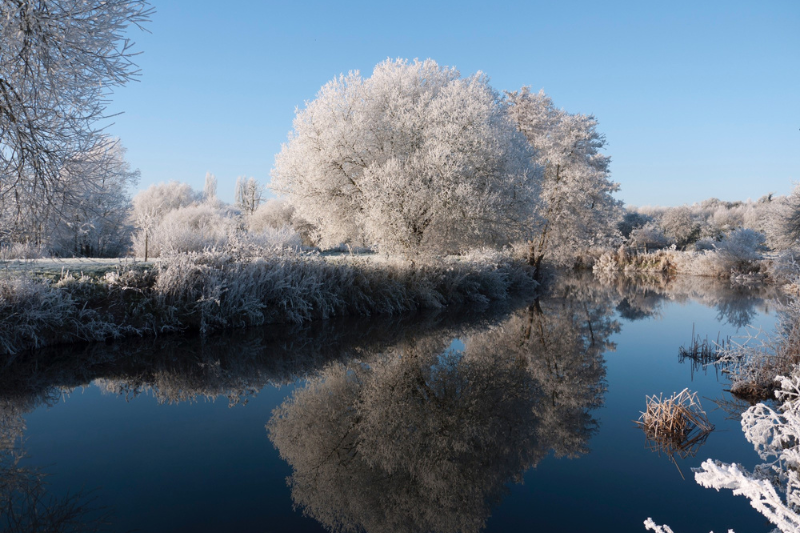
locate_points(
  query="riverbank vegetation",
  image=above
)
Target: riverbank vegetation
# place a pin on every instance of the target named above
(214, 290)
(416, 163)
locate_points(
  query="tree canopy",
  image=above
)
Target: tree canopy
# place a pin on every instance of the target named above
(414, 157)
(59, 60)
(576, 208)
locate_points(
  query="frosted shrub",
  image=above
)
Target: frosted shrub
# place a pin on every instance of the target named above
(160, 199)
(187, 229)
(648, 237)
(679, 226)
(705, 244)
(784, 268)
(756, 363)
(741, 248)
(282, 237)
(631, 221)
(272, 214)
(724, 220)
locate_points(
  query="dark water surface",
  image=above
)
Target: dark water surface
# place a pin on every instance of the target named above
(513, 419)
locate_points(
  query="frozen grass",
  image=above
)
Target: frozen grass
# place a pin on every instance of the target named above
(214, 290)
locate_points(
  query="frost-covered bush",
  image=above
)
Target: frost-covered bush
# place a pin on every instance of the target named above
(773, 488)
(158, 200)
(738, 252)
(785, 267)
(648, 237)
(705, 244)
(723, 221)
(187, 229)
(741, 248)
(272, 214)
(755, 363)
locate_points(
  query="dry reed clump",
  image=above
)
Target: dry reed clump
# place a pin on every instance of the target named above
(676, 425)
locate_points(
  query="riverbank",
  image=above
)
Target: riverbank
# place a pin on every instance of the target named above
(212, 291)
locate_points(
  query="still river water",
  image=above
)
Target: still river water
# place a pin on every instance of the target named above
(511, 419)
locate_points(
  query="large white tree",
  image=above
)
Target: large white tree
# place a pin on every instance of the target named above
(577, 207)
(413, 158)
(59, 60)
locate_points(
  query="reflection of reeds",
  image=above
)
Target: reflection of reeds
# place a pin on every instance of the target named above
(702, 352)
(676, 425)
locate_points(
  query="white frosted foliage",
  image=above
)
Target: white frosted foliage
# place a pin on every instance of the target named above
(576, 210)
(773, 488)
(414, 157)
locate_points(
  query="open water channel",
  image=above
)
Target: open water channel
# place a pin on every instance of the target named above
(519, 418)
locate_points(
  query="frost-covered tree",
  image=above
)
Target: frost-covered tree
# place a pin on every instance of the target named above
(97, 222)
(632, 220)
(273, 214)
(248, 194)
(678, 225)
(648, 237)
(92, 220)
(577, 208)
(782, 221)
(210, 188)
(59, 61)
(187, 229)
(413, 158)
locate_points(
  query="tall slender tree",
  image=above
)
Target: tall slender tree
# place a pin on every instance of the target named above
(577, 208)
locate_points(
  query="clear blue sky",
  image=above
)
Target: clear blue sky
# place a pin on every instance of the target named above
(696, 99)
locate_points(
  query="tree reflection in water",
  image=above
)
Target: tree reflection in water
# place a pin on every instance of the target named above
(395, 429)
(426, 437)
(25, 504)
